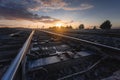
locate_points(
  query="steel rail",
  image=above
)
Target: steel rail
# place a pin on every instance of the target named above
(101, 46)
(97, 33)
(11, 71)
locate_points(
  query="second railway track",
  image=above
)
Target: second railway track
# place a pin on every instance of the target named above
(50, 56)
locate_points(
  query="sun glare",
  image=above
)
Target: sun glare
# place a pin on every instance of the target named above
(58, 25)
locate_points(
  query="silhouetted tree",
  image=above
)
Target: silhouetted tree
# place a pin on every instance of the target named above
(106, 25)
(94, 27)
(69, 27)
(81, 26)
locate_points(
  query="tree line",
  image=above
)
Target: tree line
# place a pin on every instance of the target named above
(105, 25)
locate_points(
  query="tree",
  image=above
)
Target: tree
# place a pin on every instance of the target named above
(106, 25)
(69, 27)
(94, 27)
(81, 26)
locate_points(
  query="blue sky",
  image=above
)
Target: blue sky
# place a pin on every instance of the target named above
(65, 12)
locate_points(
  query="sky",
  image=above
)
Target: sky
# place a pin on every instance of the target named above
(48, 13)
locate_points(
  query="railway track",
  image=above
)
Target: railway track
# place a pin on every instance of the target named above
(50, 56)
(106, 37)
(108, 33)
(11, 40)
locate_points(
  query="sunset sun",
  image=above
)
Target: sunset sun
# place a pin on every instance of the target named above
(58, 25)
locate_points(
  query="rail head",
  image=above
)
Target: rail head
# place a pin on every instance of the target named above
(11, 71)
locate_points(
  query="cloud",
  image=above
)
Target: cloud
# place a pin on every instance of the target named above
(81, 7)
(49, 4)
(68, 22)
(5, 25)
(13, 10)
(24, 9)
